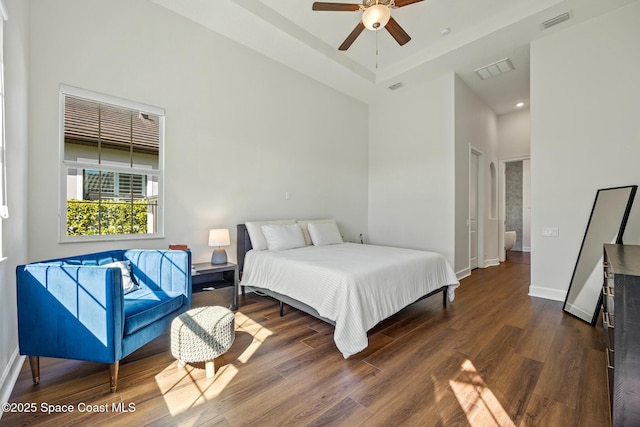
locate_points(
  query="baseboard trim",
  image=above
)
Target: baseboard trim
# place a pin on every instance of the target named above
(547, 293)
(465, 272)
(10, 375)
(491, 262)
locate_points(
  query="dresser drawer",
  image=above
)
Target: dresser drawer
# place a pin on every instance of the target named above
(608, 301)
(608, 290)
(609, 331)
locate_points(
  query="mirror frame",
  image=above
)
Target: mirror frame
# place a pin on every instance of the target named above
(623, 224)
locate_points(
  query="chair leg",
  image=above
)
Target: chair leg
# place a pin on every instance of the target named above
(34, 362)
(113, 373)
(210, 368)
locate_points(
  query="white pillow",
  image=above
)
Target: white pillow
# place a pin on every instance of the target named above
(282, 237)
(258, 242)
(128, 285)
(304, 224)
(324, 233)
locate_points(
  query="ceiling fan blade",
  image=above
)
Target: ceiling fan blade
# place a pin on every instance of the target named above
(397, 32)
(335, 7)
(352, 37)
(401, 3)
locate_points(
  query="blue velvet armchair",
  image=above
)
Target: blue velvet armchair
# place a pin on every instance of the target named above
(76, 307)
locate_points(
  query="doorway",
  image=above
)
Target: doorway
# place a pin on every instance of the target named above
(515, 204)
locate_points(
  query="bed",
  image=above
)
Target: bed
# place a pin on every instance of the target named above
(349, 285)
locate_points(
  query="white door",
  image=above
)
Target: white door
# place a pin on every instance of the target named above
(473, 210)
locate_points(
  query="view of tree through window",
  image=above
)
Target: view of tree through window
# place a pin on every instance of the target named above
(111, 161)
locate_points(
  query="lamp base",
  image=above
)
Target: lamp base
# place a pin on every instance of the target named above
(219, 256)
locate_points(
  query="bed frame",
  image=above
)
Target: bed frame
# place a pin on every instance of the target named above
(244, 246)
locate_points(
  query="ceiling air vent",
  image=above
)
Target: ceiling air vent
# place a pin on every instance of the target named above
(555, 20)
(396, 86)
(492, 70)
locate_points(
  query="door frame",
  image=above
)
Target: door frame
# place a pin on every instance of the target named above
(480, 196)
(503, 200)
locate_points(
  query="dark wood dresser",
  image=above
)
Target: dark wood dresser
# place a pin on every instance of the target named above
(621, 323)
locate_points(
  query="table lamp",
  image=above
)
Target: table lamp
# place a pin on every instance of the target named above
(217, 238)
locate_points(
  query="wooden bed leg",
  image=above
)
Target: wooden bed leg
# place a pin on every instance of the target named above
(444, 297)
(34, 362)
(113, 374)
(281, 309)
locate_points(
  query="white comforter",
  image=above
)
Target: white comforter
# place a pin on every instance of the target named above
(354, 285)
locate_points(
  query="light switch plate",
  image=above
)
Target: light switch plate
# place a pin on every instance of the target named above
(550, 232)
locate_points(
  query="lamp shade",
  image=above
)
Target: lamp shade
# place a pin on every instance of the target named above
(376, 17)
(219, 237)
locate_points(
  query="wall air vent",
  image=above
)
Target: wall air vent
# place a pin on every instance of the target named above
(555, 20)
(396, 86)
(492, 70)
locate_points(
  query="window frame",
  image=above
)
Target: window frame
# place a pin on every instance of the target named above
(64, 165)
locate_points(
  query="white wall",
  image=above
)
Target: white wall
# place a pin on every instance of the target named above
(411, 167)
(419, 168)
(514, 134)
(585, 134)
(14, 229)
(475, 126)
(241, 129)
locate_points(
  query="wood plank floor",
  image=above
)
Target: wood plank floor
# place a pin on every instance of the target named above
(493, 357)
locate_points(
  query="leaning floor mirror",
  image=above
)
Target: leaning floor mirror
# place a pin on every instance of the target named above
(606, 225)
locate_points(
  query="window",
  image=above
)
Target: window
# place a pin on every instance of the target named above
(111, 167)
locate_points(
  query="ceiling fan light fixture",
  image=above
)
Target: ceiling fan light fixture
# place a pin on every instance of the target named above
(376, 17)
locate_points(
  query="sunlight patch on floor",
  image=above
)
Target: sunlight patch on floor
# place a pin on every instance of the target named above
(186, 387)
(256, 330)
(476, 399)
(191, 388)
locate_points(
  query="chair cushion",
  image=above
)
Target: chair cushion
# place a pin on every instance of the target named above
(143, 307)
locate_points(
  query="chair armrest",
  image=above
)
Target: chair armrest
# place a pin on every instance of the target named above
(73, 312)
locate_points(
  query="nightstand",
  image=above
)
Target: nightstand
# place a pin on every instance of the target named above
(206, 276)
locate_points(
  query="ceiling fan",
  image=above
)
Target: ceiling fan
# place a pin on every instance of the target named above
(376, 14)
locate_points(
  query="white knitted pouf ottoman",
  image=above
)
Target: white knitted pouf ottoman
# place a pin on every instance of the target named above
(202, 334)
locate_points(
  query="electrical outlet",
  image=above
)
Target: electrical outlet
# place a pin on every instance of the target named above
(550, 232)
